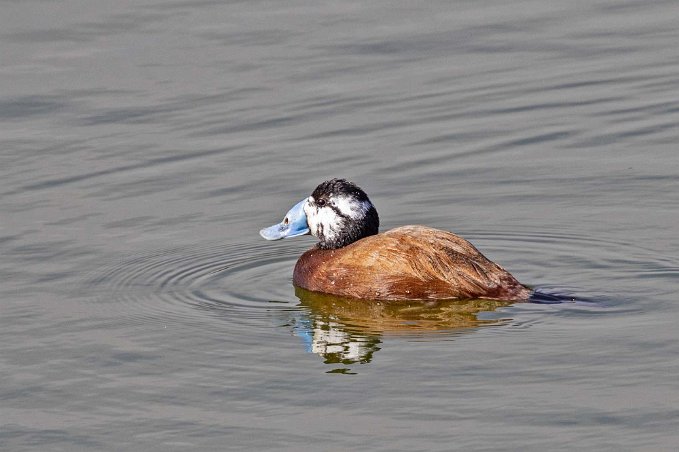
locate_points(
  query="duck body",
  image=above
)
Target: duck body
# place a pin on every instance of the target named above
(405, 263)
(409, 262)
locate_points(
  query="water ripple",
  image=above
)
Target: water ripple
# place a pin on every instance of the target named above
(246, 282)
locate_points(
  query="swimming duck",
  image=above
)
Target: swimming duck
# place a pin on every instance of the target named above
(406, 263)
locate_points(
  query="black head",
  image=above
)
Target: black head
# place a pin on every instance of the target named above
(339, 213)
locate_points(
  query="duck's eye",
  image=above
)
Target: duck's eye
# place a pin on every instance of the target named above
(320, 202)
(285, 221)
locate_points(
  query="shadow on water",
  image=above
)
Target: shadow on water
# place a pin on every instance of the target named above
(546, 295)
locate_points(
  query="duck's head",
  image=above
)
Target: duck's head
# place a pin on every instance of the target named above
(338, 213)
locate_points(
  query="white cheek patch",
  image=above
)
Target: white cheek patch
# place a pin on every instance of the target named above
(351, 207)
(323, 220)
(330, 221)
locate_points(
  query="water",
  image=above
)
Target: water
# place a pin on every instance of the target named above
(144, 144)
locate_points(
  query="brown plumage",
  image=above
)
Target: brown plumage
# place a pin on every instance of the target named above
(409, 262)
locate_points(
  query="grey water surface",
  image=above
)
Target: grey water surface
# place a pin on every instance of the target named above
(143, 145)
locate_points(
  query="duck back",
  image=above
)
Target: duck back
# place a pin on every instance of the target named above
(409, 262)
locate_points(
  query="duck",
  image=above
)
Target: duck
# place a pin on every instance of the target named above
(353, 259)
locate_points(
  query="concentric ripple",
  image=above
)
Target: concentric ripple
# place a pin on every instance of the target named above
(185, 284)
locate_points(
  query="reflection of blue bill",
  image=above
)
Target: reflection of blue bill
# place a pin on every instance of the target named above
(304, 330)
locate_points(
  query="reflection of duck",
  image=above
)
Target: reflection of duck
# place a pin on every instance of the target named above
(399, 317)
(348, 330)
(406, 263)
